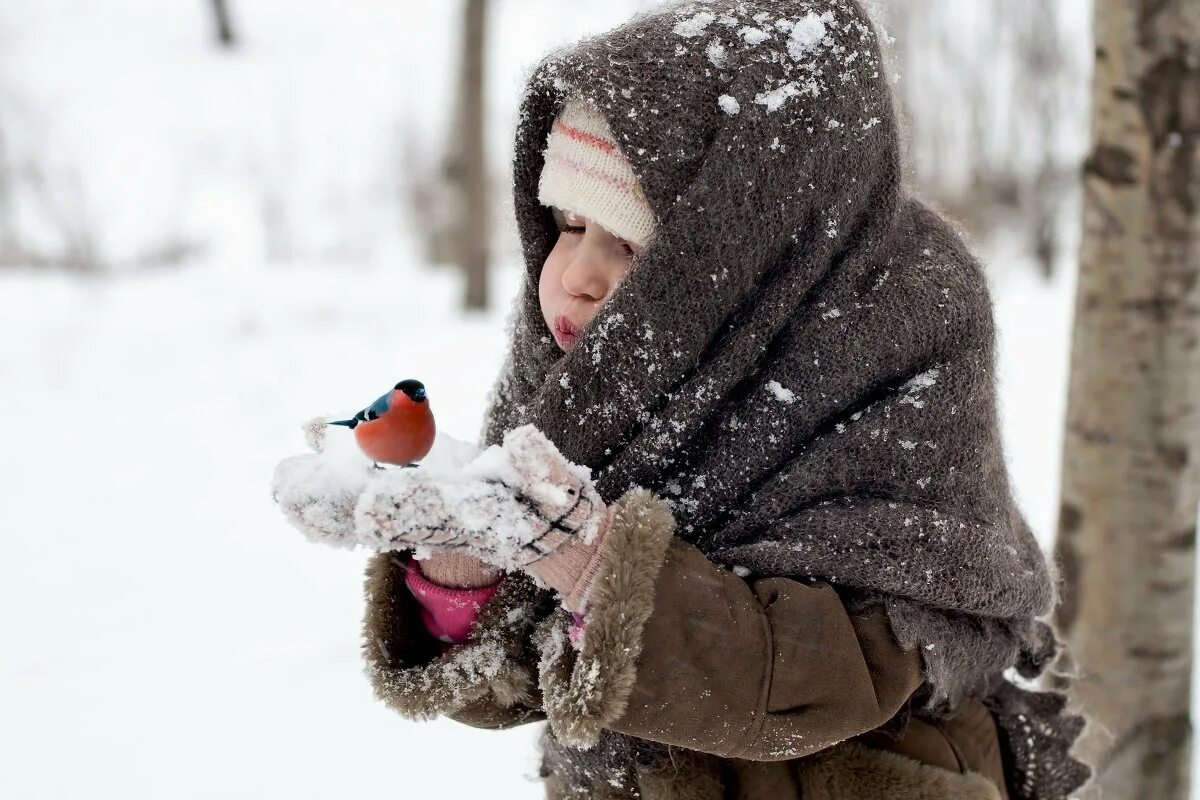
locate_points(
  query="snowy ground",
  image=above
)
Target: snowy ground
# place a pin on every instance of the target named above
(165, 633)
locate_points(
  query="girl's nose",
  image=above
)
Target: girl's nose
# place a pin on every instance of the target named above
(585, 275)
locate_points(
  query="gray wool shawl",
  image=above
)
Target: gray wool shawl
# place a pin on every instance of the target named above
(801, 360)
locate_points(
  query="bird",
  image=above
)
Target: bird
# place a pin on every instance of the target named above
(398, 428)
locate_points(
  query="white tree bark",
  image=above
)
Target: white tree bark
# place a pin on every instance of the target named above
(1131, 464)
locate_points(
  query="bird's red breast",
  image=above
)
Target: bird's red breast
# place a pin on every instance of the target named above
(401, 436)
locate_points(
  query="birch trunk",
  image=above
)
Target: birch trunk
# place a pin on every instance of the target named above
(1131, 464)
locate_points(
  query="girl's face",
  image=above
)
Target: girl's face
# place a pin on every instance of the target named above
(580, 273)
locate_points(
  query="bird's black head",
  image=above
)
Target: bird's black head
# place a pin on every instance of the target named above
(414, 389)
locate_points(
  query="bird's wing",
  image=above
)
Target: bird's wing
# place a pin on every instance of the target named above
(378, 408)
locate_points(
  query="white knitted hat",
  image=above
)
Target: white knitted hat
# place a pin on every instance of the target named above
(586, 173)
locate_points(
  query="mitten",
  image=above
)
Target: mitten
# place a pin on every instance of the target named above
(318, 491)
(512, 506)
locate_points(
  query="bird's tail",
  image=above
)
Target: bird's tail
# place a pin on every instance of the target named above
(349, 423)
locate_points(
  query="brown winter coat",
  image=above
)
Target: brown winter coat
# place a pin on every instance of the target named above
(770, 686)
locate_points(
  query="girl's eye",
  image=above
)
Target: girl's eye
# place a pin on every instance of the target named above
(627, 248)
(564, 223)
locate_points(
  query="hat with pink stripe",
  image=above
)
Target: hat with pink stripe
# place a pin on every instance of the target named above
(586, 173)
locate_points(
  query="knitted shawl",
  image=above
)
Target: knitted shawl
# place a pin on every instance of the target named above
(801, 360)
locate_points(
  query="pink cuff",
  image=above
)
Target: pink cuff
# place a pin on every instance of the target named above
(577, 629)
(448, 614)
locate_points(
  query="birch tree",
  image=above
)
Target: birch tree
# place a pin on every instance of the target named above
(1131, 463)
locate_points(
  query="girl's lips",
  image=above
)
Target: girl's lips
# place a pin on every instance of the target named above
(565, 332)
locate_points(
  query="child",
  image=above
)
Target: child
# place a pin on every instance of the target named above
(794, 568)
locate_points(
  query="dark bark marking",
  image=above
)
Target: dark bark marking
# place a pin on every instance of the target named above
(1153, 653)
(1183, 540)
(1070, 519)
(1096, 436)
(1169, 587)
(1159, 308)
(1160, 92)
(1170, 105)
(1188, 281)
(1174, 456)
(1112, 163)
(1166, 734)
(1182, 185)
(1148, 12)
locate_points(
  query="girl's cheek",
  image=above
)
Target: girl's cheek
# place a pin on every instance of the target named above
(551, 276)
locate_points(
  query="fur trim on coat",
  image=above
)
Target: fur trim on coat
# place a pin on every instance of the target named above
(586, 690)
(408, 673)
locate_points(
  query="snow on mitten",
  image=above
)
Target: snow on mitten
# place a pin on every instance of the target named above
(560, 492)
(318, 491)
(511, 507)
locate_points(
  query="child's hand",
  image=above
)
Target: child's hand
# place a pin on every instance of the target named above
(511, 507)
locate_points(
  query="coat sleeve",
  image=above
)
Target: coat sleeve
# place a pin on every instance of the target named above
(681, 651)
(488, 681)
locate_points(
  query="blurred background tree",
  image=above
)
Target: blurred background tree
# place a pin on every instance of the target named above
(994, 95)
(466, 166)
(224, 23)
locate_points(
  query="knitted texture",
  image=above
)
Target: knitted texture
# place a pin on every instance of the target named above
(801, 361)
(585, 172)
(571, 569)
(456, 570)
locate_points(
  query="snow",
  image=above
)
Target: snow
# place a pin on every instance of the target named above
(729, 105)
(695, 25)
(132, 137)
(164, 626)
(774, 99)
(918, 384)
(782, 394)
(716, 54)
(807, 34)
(753, 36)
